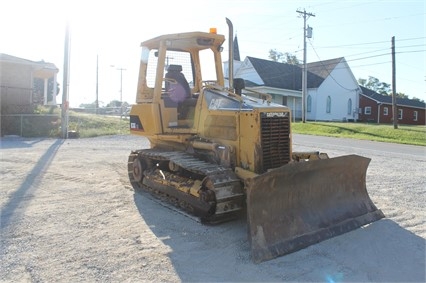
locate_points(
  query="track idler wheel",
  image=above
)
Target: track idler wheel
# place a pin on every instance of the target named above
(137, 170)
(139, 166)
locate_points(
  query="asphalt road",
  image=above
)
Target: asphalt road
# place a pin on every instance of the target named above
(362, 147)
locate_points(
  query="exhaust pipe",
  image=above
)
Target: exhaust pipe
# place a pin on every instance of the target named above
(231, 54)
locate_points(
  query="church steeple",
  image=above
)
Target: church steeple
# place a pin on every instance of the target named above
(236, 49)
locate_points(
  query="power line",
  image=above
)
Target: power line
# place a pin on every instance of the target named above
(359, 66)
(328, 71)
(367, 52)
(367, 43)
(409, 46)
(413, 38)
(413, 51)
(374, 56)
(368, 57)
(366, 65)
(371, 21)
(353, 44)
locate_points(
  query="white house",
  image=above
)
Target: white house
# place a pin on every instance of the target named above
(332, 94)
(333, 91)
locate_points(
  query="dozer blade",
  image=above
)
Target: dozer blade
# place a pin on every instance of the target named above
(303, 203)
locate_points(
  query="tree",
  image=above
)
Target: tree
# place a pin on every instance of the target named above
(380, 87)
(286, 57)
(88, 105)
(401, 95)
(376, 85)
(418, 99)
(114, 103)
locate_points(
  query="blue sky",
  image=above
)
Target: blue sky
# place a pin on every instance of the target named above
(360, 31)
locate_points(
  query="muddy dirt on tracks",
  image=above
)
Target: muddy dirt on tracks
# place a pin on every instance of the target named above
(69, 214)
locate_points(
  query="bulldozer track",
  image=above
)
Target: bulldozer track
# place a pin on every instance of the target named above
(228, 199)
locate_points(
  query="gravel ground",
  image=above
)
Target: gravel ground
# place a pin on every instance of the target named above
(69, 214)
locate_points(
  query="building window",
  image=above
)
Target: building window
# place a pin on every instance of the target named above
(349, 106)
(309, 104)
(367, 110)
(415, 115)
(328, 107)
(399, 114)
(385, 111)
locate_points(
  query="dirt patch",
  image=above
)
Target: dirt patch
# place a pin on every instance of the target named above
(68, 213)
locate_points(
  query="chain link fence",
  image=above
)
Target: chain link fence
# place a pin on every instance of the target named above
(30, 125)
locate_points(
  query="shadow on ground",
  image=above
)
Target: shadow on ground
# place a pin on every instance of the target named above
(14, 206)
(18, 142)
(380, 252)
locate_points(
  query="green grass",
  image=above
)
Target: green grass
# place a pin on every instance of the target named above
(91, 125)
(415, 135)
(87, 125)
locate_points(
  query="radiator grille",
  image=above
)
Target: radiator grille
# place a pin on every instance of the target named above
(275, 135)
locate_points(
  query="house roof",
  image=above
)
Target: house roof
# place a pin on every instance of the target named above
(278, 75)
(323, 68)
(17, 60)
(249, 83)
(387, 99)
(287, 76)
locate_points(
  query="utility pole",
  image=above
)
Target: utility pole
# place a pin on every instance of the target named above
(305, 69)
(394, 106)
(65, 101)
(121, 87)
(97, 97)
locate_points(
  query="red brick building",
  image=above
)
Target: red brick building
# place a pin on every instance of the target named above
(377, 108)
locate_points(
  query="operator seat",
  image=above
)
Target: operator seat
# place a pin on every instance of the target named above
(179, 90)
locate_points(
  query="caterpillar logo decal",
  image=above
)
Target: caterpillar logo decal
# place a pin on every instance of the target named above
(275, 114)
(135, 123)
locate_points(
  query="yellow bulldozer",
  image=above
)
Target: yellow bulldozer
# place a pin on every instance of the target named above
(219, 150)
